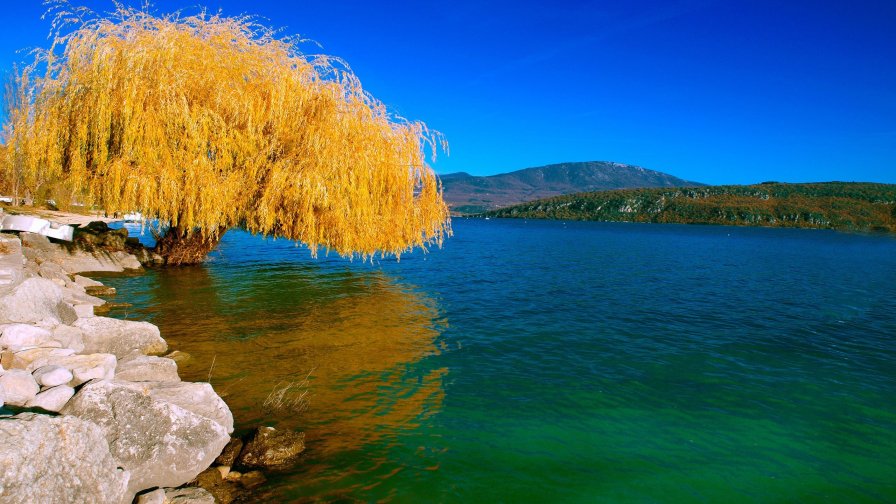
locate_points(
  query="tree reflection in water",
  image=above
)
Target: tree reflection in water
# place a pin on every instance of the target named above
(359, 337)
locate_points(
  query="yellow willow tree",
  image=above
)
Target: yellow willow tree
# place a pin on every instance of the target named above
(208, 122)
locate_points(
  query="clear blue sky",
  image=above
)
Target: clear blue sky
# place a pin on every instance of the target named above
(714, 91)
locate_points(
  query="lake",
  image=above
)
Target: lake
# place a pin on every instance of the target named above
(539, 361)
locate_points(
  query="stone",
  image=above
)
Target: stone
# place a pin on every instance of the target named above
(272, 449)
(74, 297)
(36, 300)
(159, 443)
(86, 282)
(252, 479)
(52, 399)
(157, 496)
(224, 470)
(211, 480)
(19, 387)
(18, 336)
(25, 359)
(53, 271)
(52, 375)
(199, 398)
(140, 368)
(84, 310)
(69, 337)
(57, 459)
(84, 367)
(179, 357)
(120, 337)
(100, 290)
(230, 452)
(11, 271)
(37, 242)
(82, 261)
(191, 495)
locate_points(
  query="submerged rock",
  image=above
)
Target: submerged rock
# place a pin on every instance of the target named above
(272, 449)
(120, 337)
(160, 443)
(57, 459)
(230, 452)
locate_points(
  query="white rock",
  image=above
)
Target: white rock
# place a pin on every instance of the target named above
(57, 459)
(36, 300)
(69, 337)
(161, 444)
(188, 495)
(85, 367)
(25, 359)
(86, 282)
(140, 368)
(157, 496)
(84, 310)
(52, 399)
(198, 397)
(19, 387)
(52, 375)
(74, 297)
(120, 337)
(17, 336)
(11, 272)
(53, 271)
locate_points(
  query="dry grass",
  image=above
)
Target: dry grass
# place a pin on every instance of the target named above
(289, 396)
(207, 122)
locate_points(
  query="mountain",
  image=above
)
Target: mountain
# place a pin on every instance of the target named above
(849, 206)
(467, 193)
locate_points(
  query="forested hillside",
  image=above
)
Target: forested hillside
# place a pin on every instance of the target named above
(831, 205)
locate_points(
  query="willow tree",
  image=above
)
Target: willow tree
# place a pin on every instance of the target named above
(208, 122)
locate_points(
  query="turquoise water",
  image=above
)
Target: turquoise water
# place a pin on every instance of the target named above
(532, 361)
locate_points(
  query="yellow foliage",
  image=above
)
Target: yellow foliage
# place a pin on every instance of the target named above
(207, 122)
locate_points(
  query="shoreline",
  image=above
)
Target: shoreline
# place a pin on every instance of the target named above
(92, 408)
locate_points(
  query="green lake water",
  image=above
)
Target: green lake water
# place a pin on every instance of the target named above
(531, 361)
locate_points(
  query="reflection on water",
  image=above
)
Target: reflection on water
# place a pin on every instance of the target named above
(357, 336)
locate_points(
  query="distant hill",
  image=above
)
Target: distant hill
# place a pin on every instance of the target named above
(466, 193)
(854, 206)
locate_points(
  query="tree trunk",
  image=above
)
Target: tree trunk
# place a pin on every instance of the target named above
(181, 247)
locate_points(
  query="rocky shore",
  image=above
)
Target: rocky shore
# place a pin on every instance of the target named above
(91, 408)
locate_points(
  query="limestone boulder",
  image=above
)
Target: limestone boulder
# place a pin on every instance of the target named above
(52, 375)
(86, 282)
(11, 271)
(196, 397)
(52, 399)
(57, 459)
(18, 336)
(161, 444)
(189, 495)
(36, 300)
(120, 337)
(19, 387)
(26, 359)
(69, 337)
(84, 367)
(146, 368)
